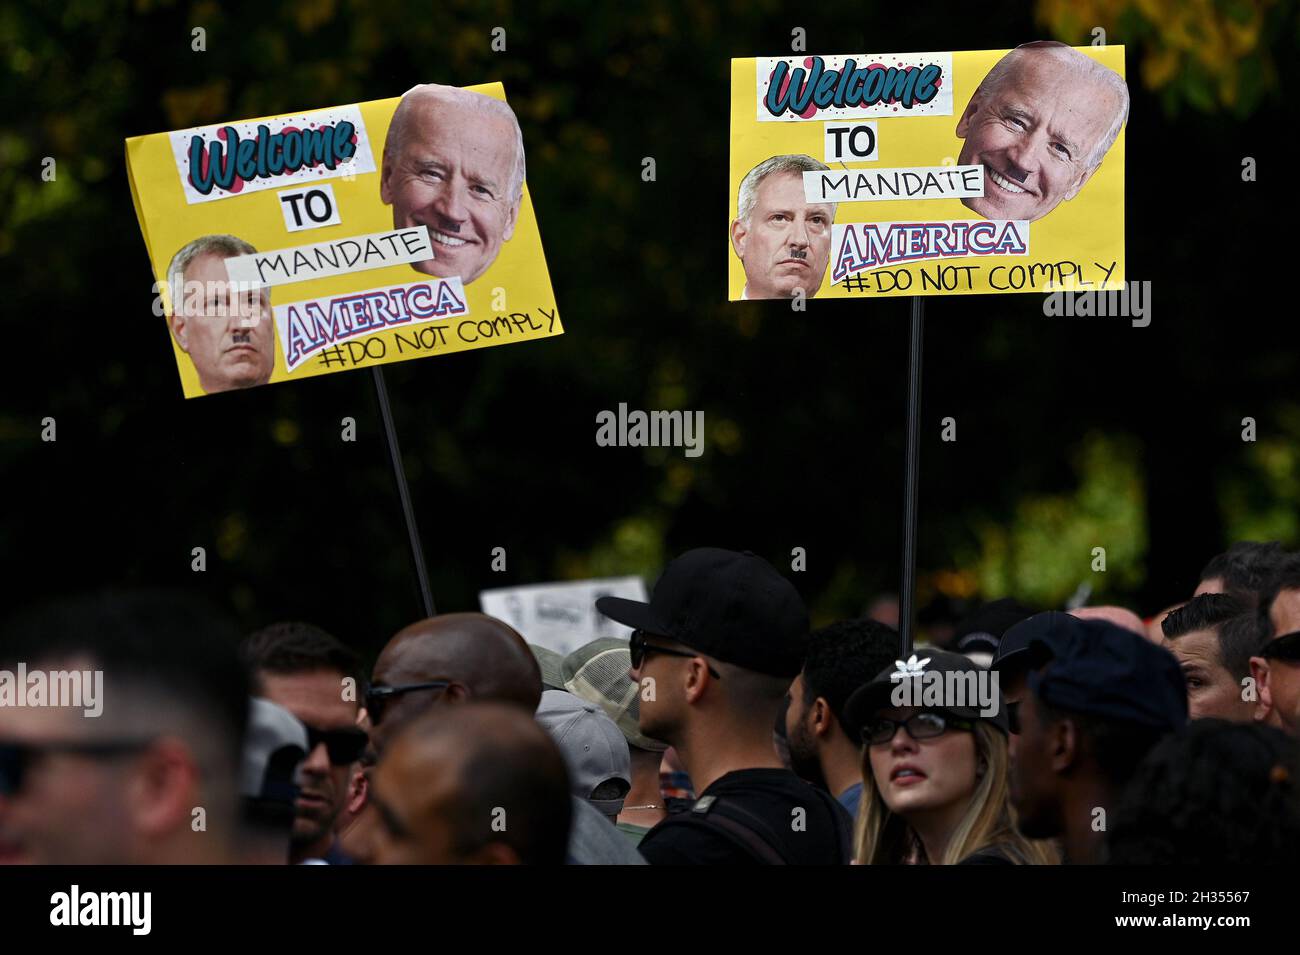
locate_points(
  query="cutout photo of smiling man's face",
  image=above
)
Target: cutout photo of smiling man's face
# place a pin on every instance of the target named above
(1040, 124)
(454, 162)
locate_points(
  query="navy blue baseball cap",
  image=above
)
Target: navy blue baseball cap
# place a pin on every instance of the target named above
(734, 607)
(1097, 668)
(1014, 650)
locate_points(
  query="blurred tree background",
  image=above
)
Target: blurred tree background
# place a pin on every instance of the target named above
(1072, 433)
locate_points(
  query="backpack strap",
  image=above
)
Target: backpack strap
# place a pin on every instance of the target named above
(742, 826)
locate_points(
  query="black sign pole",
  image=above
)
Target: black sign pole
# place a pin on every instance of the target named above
(907, 609)
(403, 492)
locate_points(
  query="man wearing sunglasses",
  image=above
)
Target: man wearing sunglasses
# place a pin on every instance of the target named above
(447, 661)
(306, 670)
(1276, 668)
(121, 788)
(715, 651)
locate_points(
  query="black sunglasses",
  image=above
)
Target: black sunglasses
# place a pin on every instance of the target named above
(343, 745)
(639, 650)
(919, 726)
(1013, 717)
(16, 758)
(378, 697)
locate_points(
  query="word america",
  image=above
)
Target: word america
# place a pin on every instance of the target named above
(849, 86)
(867, 245)
(219, 163)
(307, 327)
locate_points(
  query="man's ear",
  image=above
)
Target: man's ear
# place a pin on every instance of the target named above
(1263, 693)
(178, 328)
(509, 231)
(738, 232)
(165, 789)
(1063, 739)
(697, 678)
(385, 192)
(823, 720)
(963, 124)
(457, 693)
(494, 853)
(358, 792)
(1083, 181)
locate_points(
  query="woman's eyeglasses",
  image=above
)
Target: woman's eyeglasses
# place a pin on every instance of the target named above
(919, 726)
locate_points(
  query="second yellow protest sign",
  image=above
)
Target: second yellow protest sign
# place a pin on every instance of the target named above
(927, 173)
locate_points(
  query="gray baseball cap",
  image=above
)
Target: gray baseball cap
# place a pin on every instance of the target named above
(276, 742)
(593, 746)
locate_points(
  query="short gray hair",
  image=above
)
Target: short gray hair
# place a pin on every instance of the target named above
(798, 163)
(225, 246)
(479, 101)
(1074, 60)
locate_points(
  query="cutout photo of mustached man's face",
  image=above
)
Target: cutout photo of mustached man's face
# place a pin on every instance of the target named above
(226, 330)
(785, 244)
(1036, 133)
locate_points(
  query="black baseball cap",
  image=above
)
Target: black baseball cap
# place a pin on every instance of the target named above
(1285, 646)
(1017, 649)
(983, 629)
(877, 695)
(1104, 670)
(734, 607)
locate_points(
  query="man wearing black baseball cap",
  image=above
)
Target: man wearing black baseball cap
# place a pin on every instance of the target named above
(715, 651)
(1088, 717)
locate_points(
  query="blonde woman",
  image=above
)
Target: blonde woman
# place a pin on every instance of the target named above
(935, 773)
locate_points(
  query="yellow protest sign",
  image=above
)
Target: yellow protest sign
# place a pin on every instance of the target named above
(927, 173)
(338, 238)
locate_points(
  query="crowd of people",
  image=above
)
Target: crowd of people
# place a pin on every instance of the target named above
(724, 731)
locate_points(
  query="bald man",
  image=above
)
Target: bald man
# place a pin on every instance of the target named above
(454, 161)
(439, 663)
(481, 784)
(450, 659)
(1120, 616)
(1040, 123)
